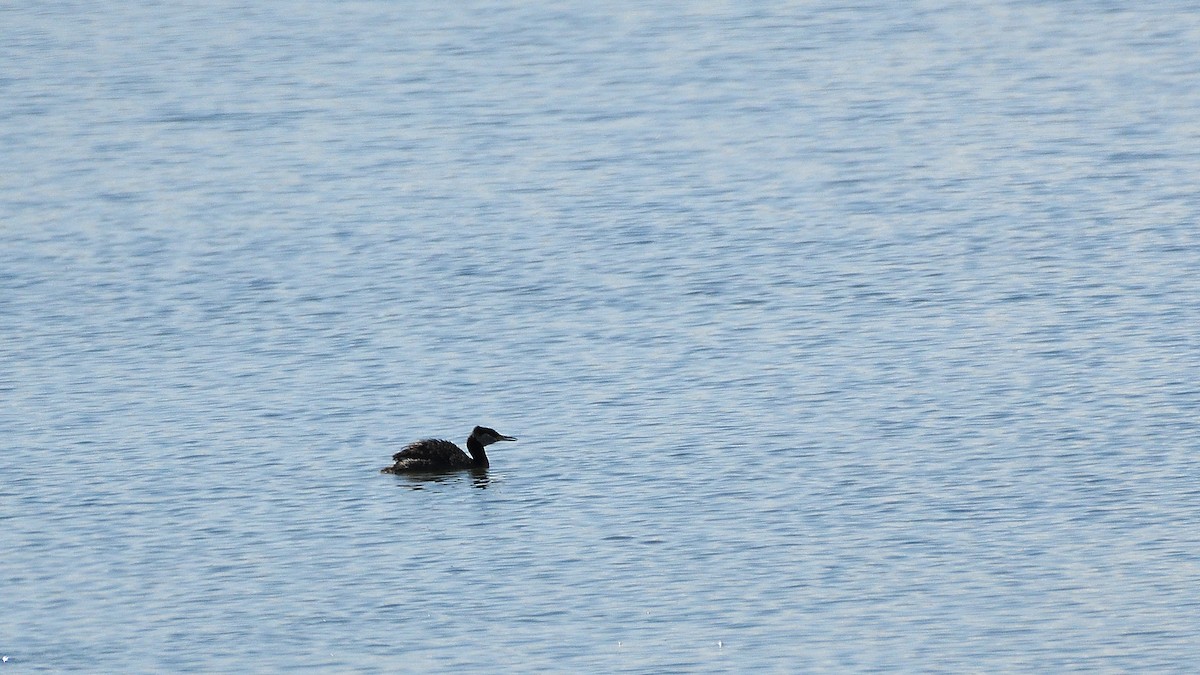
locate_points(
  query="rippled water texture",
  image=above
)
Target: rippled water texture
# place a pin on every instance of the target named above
(836, 338)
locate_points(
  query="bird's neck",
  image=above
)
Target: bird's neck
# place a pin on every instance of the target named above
(476, 449)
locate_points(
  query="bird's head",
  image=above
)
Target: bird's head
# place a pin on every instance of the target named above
(487, 436)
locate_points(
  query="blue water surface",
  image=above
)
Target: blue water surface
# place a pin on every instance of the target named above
(836, 337)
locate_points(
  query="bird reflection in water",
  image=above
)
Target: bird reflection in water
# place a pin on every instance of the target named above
(419, 481)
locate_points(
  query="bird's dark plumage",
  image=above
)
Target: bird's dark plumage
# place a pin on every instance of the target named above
(434, 454)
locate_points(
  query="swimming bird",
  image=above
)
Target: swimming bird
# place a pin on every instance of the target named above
(434, 454)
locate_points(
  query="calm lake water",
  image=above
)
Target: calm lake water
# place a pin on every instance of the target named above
(836, 337)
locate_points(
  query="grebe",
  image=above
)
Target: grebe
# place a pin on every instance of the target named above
(433, 454)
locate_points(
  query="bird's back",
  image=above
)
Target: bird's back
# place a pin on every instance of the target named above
(430, 454)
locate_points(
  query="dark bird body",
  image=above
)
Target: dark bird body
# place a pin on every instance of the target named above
(435, 454)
